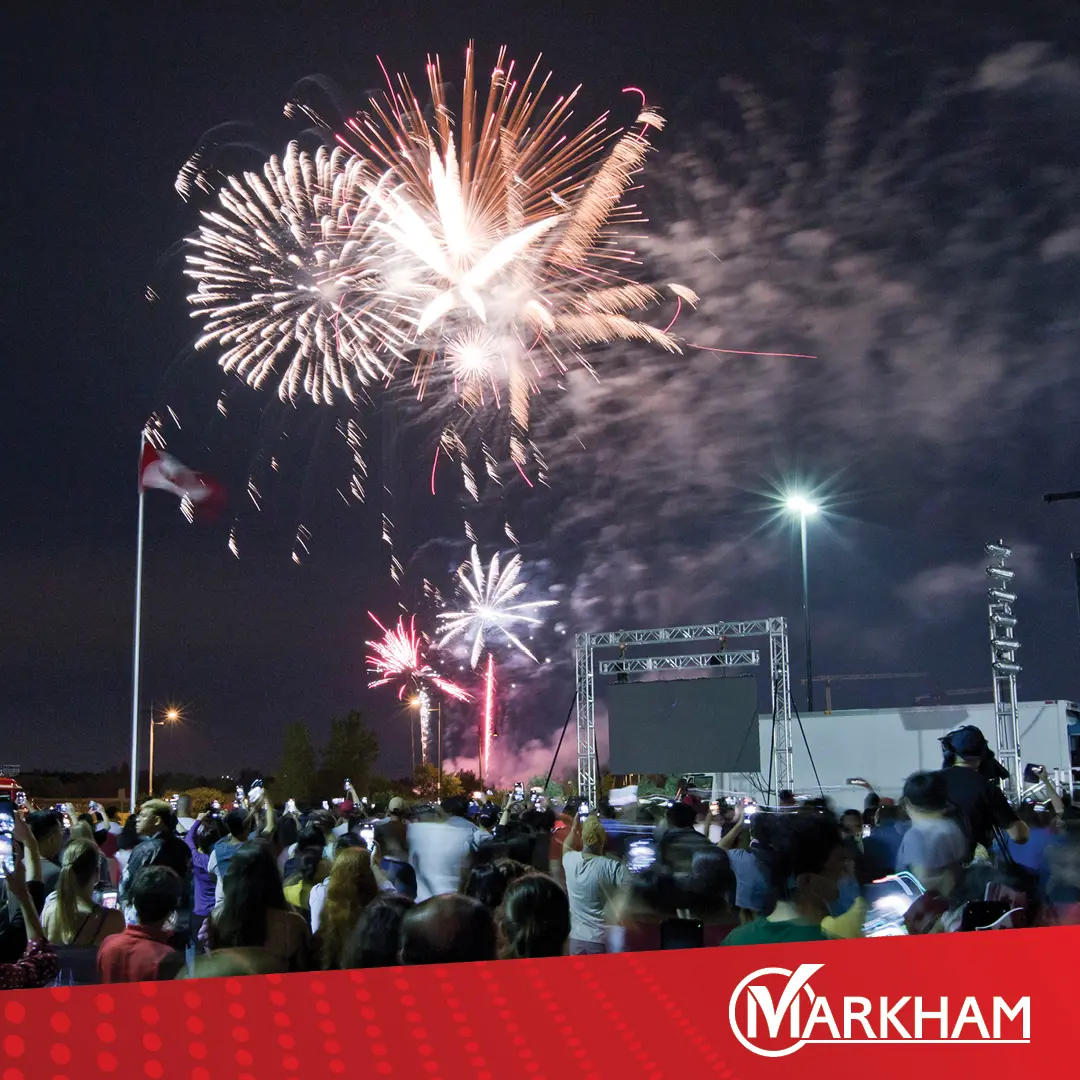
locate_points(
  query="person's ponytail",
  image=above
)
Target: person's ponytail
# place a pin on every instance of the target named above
(67, 906)
(80, 867)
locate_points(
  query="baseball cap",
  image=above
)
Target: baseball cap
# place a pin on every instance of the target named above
(967, 742)
(396, 805)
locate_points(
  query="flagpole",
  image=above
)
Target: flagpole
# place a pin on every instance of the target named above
(136, 644)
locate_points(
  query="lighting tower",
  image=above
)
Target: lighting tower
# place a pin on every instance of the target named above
(1003, 646)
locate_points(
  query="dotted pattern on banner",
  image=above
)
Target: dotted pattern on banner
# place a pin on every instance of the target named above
(559, 1019)
(689, 1034)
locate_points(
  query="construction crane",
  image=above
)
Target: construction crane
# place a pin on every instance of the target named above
(828, 680)
(939, 695)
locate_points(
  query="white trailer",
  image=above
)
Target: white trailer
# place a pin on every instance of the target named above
(885, 746)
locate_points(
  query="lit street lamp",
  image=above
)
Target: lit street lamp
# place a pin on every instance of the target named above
(170, 716)
(804, 507)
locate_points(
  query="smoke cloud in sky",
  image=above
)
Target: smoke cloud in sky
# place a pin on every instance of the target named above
(928, 264)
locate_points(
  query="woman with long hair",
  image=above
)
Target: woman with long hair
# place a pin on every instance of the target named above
(311, 868)
(98, 826)
(254, 918)
(70, 915)
(534, 920)
(352, 886)
(489, 881)
(82, 829)
(374, 941)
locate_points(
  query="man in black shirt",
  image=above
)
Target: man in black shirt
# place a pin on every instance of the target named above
(980, 804)
(159, 846)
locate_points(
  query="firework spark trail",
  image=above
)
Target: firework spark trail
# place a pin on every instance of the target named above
(488, 719)
(492, 606)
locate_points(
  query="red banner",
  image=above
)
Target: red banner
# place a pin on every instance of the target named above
(980, 1001)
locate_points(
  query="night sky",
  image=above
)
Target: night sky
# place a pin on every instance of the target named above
(899, 201)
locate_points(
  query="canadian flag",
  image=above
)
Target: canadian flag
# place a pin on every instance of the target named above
(201, 497)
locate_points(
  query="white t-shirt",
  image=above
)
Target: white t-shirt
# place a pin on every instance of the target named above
(437, 852)
(589, 883)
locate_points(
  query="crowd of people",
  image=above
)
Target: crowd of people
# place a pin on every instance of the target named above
(259, 889)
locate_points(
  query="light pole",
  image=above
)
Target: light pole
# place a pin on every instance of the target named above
(804, 507)
(171, 717)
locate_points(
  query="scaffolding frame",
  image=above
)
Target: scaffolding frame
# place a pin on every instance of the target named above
(1004, 668)
(587, 668)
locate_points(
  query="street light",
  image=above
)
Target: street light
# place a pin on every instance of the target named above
(804, 507)
(170, 716)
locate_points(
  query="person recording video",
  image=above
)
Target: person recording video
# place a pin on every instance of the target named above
(972, 773)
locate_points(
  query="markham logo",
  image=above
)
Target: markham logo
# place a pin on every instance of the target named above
(774, 1012)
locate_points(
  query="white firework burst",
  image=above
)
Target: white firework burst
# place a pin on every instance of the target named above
(492, 607)
(286, 282)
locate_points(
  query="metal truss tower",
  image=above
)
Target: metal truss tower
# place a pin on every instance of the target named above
(1003, 646)
(587, 668)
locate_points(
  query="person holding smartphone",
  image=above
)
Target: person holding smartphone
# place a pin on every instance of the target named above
(593, 880)
(38, 964)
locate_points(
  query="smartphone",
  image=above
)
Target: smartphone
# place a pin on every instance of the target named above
(20, 799)
(1031, 774)
(325, 805)
(290, 807)
(583, 811)
(7, 832)
(682, 934)
(888, 900)
(240, 794)
(367, 834)
(519, 792)
(348, 784)
(107, 898)
(215, 805)
(640, 855)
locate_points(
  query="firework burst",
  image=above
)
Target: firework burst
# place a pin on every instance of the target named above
(492, 606)
(398, 659)
(484, 249)
(286, 281)
(503, 252)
